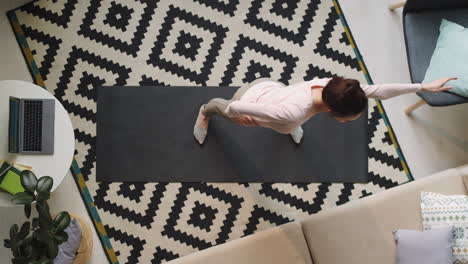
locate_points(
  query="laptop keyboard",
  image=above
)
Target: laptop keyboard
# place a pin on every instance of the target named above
(32, 133)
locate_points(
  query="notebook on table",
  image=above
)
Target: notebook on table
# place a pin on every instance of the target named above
(10, 179)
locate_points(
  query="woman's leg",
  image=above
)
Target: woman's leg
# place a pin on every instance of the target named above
(216, 106)
(241, 91)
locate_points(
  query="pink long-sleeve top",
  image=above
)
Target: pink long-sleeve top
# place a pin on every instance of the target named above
(284, 108)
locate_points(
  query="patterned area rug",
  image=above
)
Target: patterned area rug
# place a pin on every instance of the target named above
(74, 46)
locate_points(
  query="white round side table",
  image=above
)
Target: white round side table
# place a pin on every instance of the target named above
(56, 165)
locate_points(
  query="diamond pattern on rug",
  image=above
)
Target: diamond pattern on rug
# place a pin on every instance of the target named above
(46, 47)
(202, 216)
(57, 12)
(187, 45)
(333, 52)
(118, 16)
(290, 20)
(241, 62)
(261, 219)
(116, 25)
(81, 45)
(179, 225)
(162, 55)
(137, 202)
(227, 7)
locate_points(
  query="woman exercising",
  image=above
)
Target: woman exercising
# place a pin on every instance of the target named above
(271, 104)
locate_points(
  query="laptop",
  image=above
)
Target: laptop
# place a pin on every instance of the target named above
(31, 126)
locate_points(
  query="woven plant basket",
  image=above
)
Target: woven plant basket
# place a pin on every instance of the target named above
(86, 244)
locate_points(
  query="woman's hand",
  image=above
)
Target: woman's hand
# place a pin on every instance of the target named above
(437, 85)
(244, 121)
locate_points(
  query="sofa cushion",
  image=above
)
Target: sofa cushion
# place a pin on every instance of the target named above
(361, 231)
(421, 33)
(449, 58)
(413, 246)
(442, 210)
(283, 244)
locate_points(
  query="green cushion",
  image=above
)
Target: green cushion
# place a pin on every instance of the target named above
(450, 58)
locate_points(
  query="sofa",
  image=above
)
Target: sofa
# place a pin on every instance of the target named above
(355, 233)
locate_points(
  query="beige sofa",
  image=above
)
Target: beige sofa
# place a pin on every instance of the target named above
(357, 232)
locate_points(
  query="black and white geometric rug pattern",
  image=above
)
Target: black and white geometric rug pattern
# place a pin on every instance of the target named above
(79, 45)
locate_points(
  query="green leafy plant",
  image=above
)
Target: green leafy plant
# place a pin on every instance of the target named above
(36, 242)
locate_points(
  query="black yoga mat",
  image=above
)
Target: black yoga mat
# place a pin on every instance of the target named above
(145, 134)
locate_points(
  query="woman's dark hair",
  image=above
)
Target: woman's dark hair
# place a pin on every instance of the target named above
(344, 97)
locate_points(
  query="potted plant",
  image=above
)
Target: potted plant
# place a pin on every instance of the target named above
(36, 241)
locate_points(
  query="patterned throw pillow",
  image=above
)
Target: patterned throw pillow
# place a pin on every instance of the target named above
(442, 210)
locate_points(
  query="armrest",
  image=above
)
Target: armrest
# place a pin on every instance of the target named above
(282, 244)
(418, 5)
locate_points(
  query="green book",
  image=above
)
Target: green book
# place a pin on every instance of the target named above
(10, 180)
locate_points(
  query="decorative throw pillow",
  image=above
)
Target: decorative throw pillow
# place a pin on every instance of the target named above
(441, 210)
(450, 57)
(69, 248)
(411, 250)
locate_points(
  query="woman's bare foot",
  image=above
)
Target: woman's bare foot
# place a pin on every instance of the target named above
(200, 130)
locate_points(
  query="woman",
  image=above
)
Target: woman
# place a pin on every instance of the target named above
(271, 104)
